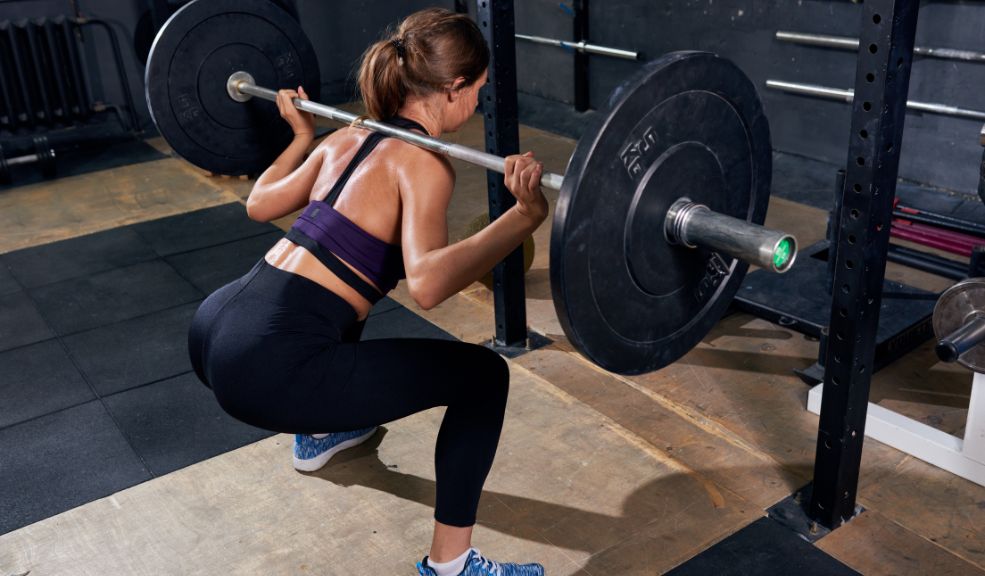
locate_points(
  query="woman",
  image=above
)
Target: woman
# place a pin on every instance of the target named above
(280, 347)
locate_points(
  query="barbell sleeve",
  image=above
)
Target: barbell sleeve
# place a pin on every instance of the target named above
(691, 224)
(966, 337)
(241, 83)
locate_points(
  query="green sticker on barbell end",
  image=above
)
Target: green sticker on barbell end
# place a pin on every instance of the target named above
(783, 254)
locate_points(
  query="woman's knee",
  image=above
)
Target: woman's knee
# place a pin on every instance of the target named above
(495, 373)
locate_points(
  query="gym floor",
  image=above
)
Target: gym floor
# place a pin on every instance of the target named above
(596, 473)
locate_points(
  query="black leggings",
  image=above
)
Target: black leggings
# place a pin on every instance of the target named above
(283, 353)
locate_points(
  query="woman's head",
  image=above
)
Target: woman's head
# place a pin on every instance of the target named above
(434, 51)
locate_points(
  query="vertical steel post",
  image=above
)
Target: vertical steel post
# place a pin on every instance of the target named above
(582, 100)
(499, 105)
(882, 81)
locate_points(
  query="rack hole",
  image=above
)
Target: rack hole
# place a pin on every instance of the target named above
(860, 161)
(849, 264)
(873, 48)
(867, 106)
(855, 214)
(863, 133)
(870, 77)
(857, 188)
(851, 238)
(846, 289)
(876, 18)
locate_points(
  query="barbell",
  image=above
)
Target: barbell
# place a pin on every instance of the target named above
(660, 210)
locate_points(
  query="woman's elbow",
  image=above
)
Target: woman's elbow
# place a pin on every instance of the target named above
(423, 293)
(255, 211)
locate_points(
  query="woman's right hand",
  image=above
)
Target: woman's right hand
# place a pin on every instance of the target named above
(302, 123)
(522, 177)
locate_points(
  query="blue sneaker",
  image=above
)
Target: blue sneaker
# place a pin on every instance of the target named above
(476, 565)
(312, 453)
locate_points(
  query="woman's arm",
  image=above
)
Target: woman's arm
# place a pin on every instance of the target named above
(435, 270)
(284, 187)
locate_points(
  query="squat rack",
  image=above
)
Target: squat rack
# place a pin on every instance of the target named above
(887, 38)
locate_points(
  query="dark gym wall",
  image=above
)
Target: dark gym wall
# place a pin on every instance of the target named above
(341, 30)
(121, 15)
(937, 150)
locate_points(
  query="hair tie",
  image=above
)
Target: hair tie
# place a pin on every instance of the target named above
(401, 49)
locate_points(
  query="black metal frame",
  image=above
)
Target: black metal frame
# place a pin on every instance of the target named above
(582, 100)
(882, 81)
(499, 105)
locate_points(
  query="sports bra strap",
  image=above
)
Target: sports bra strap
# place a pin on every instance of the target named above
(332, 262)
(367, 146)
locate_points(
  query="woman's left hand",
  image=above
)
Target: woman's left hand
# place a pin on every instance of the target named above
(302, 123)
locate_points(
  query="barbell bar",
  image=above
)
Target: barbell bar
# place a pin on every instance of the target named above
(849, 96)
(679, 156)
(688, 223)
(582, 46)
(848, 43)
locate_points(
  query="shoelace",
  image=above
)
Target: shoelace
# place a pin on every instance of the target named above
(491, 567)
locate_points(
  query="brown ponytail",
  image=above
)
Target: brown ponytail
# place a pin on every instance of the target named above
(428, 51)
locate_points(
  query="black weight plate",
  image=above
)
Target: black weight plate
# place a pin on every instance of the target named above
(688, 124)
(194, 54)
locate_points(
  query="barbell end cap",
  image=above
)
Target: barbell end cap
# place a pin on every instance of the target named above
(233, 83)
(946, 351)
(784, 254)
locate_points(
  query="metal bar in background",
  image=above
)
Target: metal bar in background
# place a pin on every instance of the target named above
(582, 46)
(849, 96)
(927, 262)
(500, 108)
(580, 34)
(847, 43)
(882, 78)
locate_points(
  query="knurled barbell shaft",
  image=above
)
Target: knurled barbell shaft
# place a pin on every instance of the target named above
(245, 85)
(695, 226)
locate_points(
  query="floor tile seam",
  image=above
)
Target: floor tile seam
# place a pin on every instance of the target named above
(116, 322)
(92, 388)
(34, 343)
(91, 273)
(93, 399)
(146, 384)
(12, 277)
(217, 244)
(6, 427)
(634, 439)
(866, 503)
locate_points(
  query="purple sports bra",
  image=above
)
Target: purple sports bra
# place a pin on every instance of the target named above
(330, 236)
